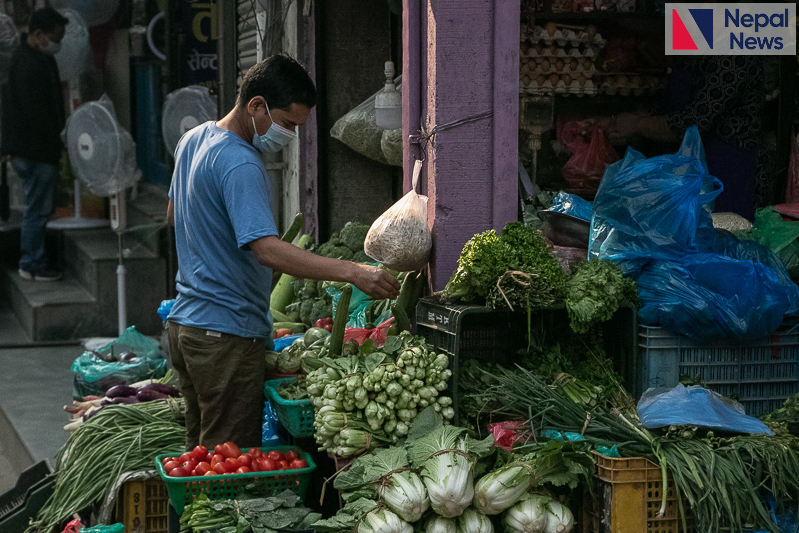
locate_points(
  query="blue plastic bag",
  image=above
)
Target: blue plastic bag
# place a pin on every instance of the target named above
(695, 406)
(165, 308)
(572, 205)
(709, 296)
(270, 428)
(653, 208)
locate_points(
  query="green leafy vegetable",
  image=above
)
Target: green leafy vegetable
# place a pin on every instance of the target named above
(594, 292)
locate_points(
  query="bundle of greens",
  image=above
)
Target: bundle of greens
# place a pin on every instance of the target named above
(784, 420)
(520, 290)
(721, 478)
(594, 292)
(118, 439)
(487, 256)
(257, 515)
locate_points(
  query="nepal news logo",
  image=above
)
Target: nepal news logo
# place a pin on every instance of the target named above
(730, 29)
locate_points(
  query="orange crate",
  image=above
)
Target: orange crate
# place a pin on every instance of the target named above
(143, 506)
(629, 496)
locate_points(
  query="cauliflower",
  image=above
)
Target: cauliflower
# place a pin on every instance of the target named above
(353, 234)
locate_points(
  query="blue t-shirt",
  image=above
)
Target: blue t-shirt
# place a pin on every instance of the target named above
(221, 194)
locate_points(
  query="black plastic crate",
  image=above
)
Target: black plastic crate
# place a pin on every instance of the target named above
(12, 500)
(466, 332)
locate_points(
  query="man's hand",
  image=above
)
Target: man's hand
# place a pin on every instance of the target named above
(376, 283)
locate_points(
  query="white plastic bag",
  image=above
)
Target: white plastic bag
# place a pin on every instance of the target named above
(400, 238)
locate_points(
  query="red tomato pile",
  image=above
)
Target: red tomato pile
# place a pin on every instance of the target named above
(227, 458)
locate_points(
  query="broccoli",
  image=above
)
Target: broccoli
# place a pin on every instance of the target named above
(335, 251)
(306, 307)
(321, 309)
(310, 290)
(297, 286)
(361, 257)
(353, 234)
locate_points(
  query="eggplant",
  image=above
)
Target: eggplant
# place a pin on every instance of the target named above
(169, 390)
(91, 413)
(107, 358)
(125, 400)
(120, 391)
(128, 357)
(106, 401)
(148, 395)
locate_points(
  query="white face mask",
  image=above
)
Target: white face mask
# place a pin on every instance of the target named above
(275, 138)
(51, 48)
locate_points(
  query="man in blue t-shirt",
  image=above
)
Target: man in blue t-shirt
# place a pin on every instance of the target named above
(228, 245)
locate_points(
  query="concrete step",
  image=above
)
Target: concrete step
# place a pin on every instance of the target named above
(11, 332)
(52, 310)
(92, 258)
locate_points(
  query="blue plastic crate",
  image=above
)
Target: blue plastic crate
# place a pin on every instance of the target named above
(762, 374)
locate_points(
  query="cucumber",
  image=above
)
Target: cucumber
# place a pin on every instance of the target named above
(280, 317)
(283, 294)
(410, 292)
(295, 327)
(400, 318)
(340, 321)
(289, 236)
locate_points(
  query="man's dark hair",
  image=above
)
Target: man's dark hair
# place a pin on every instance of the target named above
(46, 19)
(281, 80)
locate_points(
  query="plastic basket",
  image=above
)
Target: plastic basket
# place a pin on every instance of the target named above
(297, 416)
(12, 500)
(475, 332)
(143, 506)
(761, 374)
(630, 497)
(184, 490)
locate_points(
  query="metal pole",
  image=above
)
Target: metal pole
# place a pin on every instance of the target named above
(122, 308)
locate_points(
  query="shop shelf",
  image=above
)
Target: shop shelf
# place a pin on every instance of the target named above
(184, 490)
(14, 499)
(143, 506)
(629, 497)
(761, 374)
(297, 416)
(474, 332)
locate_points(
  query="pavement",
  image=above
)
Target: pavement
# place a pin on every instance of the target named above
(35, 384)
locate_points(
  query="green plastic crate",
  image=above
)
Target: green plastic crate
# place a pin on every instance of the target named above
(297, 416)
(184, 490)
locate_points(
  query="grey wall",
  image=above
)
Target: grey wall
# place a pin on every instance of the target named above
(352, 48)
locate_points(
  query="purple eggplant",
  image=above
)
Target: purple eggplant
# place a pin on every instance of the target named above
(106, 401)
(120, 391)
(149, 395)
(90, 414)
(125, 400)
(128, 357)
(169, 390)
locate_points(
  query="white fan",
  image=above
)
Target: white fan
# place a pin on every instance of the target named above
(74, 52)
(96, 12)
(9, 39)
(183, 110)
(103, 157)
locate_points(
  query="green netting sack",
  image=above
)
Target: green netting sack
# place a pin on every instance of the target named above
(130, 358)
(358, 130)
(780, 236)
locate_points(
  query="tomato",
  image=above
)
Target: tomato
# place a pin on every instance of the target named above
(200, 453)
(165, 460)
(218, 449)
(202, 468)
(217, 458)
(170, 465)
(185, 457)
(244, 460)
(325, 323)
(178, 472)
(282, 465)
(255, 452)
(276, 455)
(290, 456)
(296, 464)
(243, 470)
(267, 464)
(208, 457)
(210, 473)
(219, 468)
(230, 465)
(230, 450)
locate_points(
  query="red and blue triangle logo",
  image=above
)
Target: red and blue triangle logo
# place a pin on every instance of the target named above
(680, 38)
(704, 20)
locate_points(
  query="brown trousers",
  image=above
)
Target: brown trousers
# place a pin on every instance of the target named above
(222, 380)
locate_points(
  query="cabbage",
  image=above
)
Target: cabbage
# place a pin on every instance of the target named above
(528, 515)
(383, 521)
(473, 522)
(559, 519)
(440, 524)
(501, 488)
(405, 495)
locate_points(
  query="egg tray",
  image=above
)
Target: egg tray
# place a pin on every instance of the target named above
(647, 85)
(564, 36)
(587, 72)
(589, 89)
(557, 52)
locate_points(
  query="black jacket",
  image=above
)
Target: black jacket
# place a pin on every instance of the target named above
(32, 107)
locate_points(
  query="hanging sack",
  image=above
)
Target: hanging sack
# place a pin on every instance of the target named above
(400, 238)
(587, 165)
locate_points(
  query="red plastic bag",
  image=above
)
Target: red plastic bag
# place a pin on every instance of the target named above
(508, 433)
(73, 526)
(792, 187)
(590, 153)
(378, 334)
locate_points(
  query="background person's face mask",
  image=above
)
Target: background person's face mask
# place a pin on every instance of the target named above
(52, 47)
(275, 138)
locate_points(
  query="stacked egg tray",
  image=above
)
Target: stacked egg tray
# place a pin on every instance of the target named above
(559, 62)
(628, 84)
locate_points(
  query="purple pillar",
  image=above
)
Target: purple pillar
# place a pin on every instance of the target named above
(461, 59)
